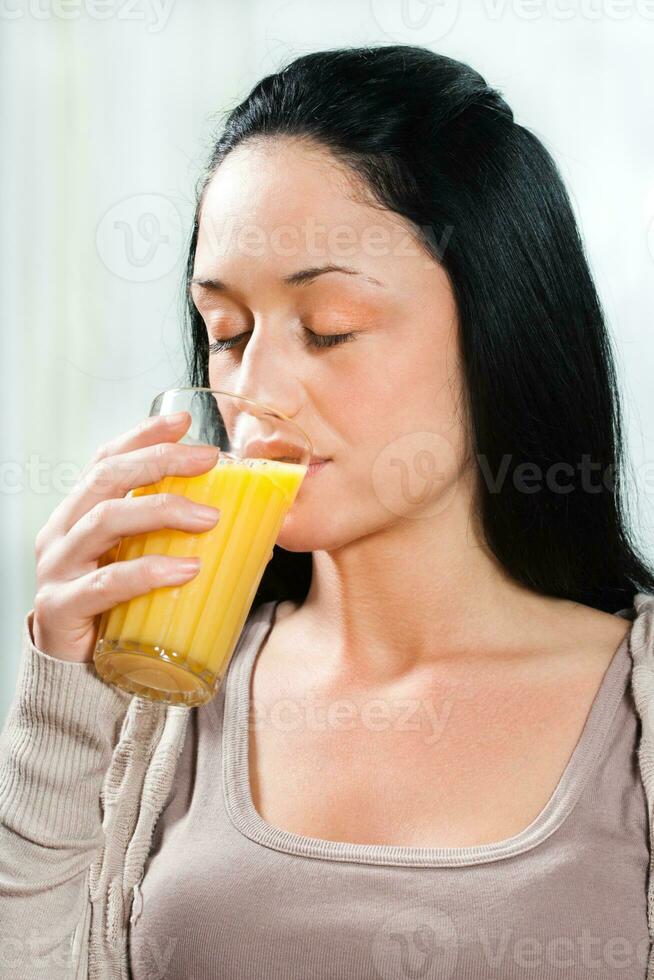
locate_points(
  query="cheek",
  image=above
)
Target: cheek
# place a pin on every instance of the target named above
(404, 422)
(223, 372)
(402, 386)
(426, 388)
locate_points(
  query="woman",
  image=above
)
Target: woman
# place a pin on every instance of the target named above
(383, 254)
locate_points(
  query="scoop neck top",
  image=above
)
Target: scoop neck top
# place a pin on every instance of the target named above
(243, 814)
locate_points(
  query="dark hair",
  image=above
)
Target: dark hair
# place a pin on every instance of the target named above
(435, 144)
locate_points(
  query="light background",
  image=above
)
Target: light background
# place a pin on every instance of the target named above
(106, 114)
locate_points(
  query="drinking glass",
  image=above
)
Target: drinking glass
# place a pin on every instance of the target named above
(174, 643)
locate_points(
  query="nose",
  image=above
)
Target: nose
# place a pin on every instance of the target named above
(266, 373)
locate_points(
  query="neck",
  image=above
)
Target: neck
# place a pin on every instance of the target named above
(421, 590)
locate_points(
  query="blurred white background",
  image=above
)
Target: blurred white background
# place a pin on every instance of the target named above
(107, 108)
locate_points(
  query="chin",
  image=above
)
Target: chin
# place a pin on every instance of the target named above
(309, 539)
(323, 528)
(310, 533)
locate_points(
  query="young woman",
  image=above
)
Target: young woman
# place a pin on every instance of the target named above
(442, 779)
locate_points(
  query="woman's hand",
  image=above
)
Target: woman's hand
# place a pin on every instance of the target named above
(77, 576)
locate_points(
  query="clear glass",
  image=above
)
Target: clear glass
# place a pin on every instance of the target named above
(174, 643)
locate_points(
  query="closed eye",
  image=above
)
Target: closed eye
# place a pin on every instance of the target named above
(311, 339)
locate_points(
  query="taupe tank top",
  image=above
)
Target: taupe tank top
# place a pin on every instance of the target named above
(227, 895)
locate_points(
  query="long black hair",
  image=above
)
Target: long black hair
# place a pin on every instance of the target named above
(437, 145)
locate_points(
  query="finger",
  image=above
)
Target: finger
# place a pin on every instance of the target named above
(110, 555)
(115, 476)
(100, 530)
(80, 599)
(153, 429)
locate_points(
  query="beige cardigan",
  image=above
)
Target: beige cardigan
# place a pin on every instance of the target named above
(85, 771)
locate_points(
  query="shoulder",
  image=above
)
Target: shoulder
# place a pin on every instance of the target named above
(642, 615)
(641, 648)
(269, 613)
(285, 609)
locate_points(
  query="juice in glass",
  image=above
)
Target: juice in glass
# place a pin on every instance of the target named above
(174, 643)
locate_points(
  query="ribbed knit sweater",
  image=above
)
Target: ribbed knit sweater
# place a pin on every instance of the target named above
(86, 771)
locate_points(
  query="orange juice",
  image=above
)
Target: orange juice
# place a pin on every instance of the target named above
(174, 643)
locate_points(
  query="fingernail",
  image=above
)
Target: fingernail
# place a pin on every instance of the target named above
(204, 452)
(188, 566)
(208, 515)
(175, 418)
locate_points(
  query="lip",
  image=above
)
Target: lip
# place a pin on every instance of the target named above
(272, 449)
(316, 465)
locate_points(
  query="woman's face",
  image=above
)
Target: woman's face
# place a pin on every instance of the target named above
(385, 407)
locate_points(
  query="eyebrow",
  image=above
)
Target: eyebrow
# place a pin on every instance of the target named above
(301, 278)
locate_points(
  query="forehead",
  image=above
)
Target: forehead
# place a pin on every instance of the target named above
(280, 179)
(292, 203)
